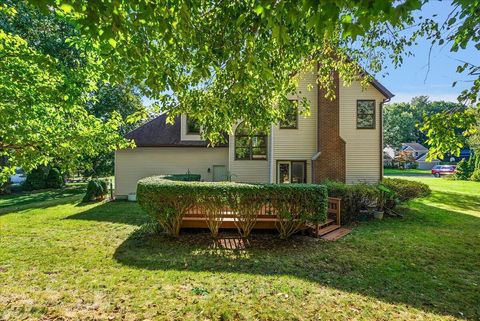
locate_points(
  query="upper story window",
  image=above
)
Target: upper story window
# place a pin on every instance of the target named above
(250, 145)
(291, 116)
(193, 127)
(365, 114)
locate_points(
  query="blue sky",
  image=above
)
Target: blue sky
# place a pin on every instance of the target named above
(411, 78)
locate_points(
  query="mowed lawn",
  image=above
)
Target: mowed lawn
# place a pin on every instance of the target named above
(63, 260)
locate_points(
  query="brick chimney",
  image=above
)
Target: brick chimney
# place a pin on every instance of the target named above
(330, 160)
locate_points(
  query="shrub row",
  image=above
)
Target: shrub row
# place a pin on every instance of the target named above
(358, 197)
(406, 190)
(167, 201)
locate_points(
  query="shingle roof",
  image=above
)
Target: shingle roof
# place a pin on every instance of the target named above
(415, 146)
(157, 133)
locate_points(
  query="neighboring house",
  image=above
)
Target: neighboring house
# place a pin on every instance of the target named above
(420, 153)
(340, 140)
(388, 157)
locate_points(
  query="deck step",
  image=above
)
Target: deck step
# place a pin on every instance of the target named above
(336, 234)
(327, 230)
(320, 225)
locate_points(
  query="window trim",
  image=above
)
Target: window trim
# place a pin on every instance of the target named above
(296, 118)
(374, 114)
(187, 131)
(249, 147)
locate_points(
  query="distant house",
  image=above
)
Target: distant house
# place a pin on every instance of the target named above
(388, 157)
(420, 153)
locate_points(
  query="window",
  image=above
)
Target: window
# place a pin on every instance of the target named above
(250, 145)
(291, 116)
(365, 114)
(291, 172)
(193, 128)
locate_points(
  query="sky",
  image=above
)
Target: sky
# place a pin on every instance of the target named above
(412, 79)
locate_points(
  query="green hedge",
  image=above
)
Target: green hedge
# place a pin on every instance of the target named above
(406, 189)
(168, 200)
(355, 197)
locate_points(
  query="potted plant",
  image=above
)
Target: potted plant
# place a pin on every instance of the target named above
(384, 194)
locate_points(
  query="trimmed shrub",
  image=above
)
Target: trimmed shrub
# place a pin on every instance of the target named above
(96, 190)
(355, 198)
(54, 179)
(36, 179)
(405, 189)
(168, 201)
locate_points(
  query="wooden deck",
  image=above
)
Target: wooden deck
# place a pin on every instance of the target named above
(267, 221)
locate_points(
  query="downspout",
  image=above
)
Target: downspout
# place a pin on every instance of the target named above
(271, 166)
(386, 100)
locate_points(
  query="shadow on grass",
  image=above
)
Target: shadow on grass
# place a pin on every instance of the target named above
(464, 201)
(122, 212)
(39, 199)
(414, 261)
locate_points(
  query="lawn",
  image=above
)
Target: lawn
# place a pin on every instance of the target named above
(398, 171)
(65, 260)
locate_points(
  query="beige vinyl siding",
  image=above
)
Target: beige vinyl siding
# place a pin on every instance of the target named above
(246, 171)
(134, 164)
(300, 143)
(362, 145)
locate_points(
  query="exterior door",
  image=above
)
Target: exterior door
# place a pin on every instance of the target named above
(291, 172)
(220, 173)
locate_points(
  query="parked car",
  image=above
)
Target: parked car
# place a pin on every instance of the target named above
(19, 176)
(439, 170)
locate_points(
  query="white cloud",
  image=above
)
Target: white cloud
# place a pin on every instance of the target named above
(407, 97)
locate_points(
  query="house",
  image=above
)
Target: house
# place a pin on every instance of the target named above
(339, 140)
(388, 157)
(420, 154)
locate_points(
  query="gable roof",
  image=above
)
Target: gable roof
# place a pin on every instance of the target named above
(157, 133)
(382, 89)
(415, 146)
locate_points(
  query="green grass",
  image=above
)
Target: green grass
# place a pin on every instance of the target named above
(397, 171)
(73, 261)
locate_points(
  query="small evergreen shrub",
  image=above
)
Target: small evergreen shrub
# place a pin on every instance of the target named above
(167, 201)
(96, 189)
(54, 179)
(36, 179)
(464, 169)
(405, 189)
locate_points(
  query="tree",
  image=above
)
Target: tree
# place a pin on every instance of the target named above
(111, 100)
(42, 100)
(221, 61)
(403, 121)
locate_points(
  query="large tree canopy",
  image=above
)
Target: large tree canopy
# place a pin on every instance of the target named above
(44, 88)
(221, 61)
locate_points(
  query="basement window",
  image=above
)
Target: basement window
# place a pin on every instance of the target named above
(365, 114)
